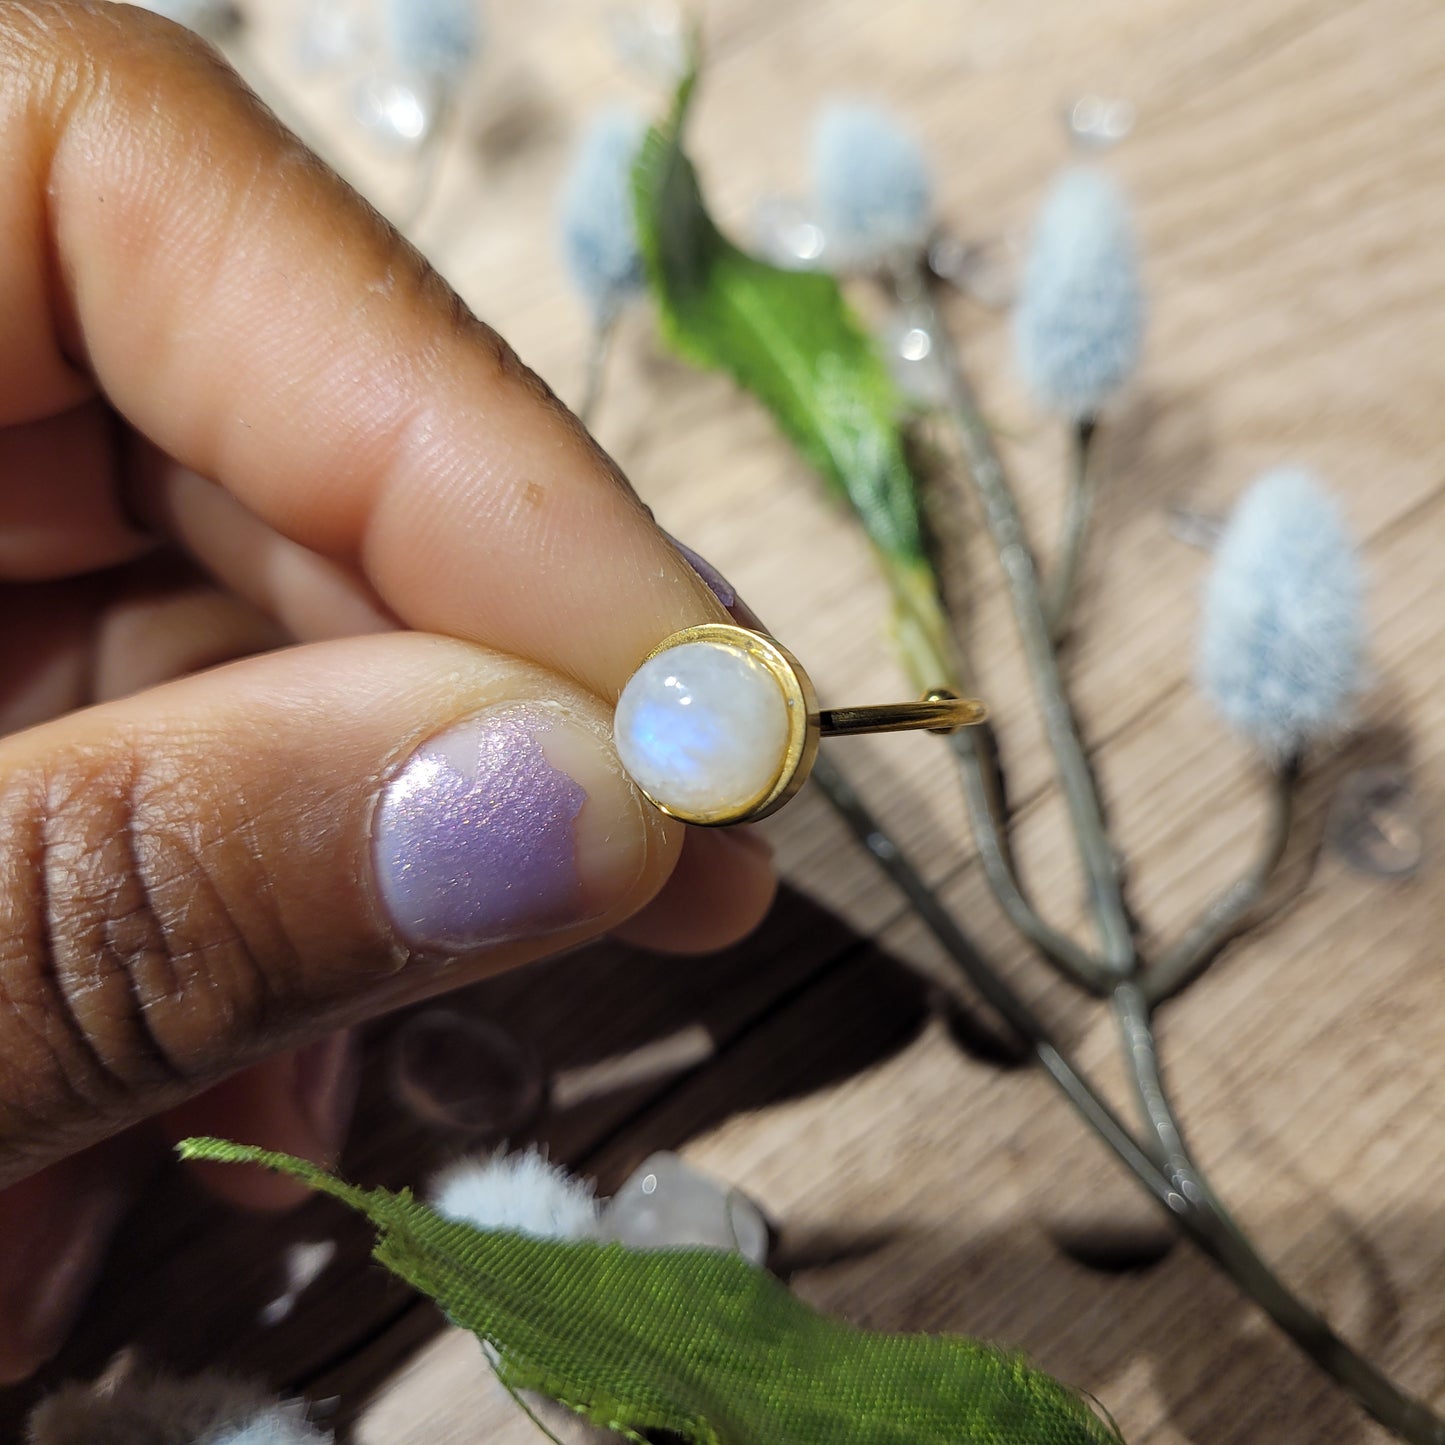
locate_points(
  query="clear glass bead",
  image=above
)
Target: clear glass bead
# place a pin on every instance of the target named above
(1095, 123)
(455, 1072)
(913, 357)
(983, 271)
(785, 234)
(1375, 823)
(667, 1204)
(395, 112)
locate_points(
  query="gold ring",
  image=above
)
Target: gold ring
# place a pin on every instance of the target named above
(720, 724)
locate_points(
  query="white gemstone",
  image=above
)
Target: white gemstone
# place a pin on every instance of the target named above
(703, 728)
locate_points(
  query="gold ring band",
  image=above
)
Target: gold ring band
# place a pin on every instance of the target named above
(939, 711)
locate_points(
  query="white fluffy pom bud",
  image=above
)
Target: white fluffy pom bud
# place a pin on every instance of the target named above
(436, 39)
(871, 184)
(1282, 640)
(1079, 322)
(203, 1410)
(596, 220)
(518, 1192)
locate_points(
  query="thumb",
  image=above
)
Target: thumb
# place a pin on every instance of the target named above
(199, 875)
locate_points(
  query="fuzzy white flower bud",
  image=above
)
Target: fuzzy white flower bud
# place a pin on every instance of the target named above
(161, 1410)
(519, 1192)
(434, 39)
(1281, 644)
(872, 186)
(1079, 323)
(596, 219)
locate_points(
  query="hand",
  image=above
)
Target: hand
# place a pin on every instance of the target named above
(237, 412)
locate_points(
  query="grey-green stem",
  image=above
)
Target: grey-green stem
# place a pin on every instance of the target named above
(1229, 913)
(1005, 524)
(1078, 509)
(428, 167)
(996, 992)
(599, 349)
(930, 656)
(1404, 1415)
(1164, 1167)
(990, 832)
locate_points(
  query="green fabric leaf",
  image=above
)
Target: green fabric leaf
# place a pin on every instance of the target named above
(786, 336)
(790, 338)
(696, 1341)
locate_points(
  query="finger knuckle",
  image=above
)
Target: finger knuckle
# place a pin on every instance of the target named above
(121, 964)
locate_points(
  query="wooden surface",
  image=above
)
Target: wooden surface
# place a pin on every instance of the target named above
(1289, 172)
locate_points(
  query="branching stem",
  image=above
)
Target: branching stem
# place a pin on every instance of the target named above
(990, 832)
(598, 351)
(990, 984)
(1078, 509)
(1207, 1220)
(428, 167)
(1005, 525)
(1230, 911)
(931, 659)
(1162, 1162)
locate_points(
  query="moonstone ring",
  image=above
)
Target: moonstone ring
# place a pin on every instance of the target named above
(721, 725)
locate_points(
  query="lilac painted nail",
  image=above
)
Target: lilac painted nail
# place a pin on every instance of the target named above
(719, 586)
(475, 839)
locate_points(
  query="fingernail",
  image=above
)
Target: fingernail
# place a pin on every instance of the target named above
(719, 586)
(62, 1269)
(517, 823)
(327, 1074)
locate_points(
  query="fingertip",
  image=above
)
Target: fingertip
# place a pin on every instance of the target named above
(721, 889)
(296, 1103)
(56, 1226)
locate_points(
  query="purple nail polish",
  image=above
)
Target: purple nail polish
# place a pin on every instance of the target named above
(475, 837)
(719, 586)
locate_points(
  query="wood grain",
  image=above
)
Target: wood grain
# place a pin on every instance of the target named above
(1288, 168)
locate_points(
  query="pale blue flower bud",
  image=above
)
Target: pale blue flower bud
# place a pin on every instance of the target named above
(596, 217)
(871, 185)
(1079, 322)
(275, 1425)
(210, 1409)
(1281, 648)
(516, 1192)
(437, 39)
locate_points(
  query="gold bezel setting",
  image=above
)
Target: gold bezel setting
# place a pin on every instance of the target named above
(803, 728)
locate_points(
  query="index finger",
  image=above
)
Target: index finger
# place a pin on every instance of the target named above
(261, 324)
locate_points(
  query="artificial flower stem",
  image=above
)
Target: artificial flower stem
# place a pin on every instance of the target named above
(1079, 508)
(1226, 916)
(1405, 1416)
(987, 982)
(891, 858)
(931, 659)
(1165, 1167)
(1005, 525)
(428, 167)
(990, 833)
(599, 349)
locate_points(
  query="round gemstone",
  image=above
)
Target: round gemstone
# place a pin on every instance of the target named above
(703, 729)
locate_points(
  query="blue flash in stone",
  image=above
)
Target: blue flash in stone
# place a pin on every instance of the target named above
(703, 729)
